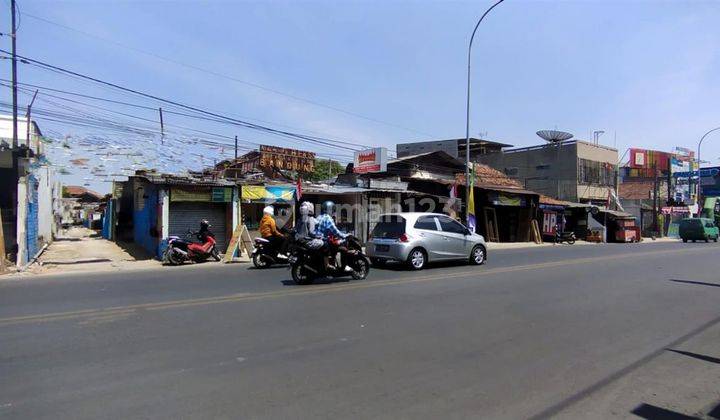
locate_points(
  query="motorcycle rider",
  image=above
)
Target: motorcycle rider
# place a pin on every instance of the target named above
(326, 227)
(269, 231)
(305, 226)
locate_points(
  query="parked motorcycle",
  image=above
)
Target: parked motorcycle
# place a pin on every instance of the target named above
(346, 257)
(264, 255)
(180, 250)
(568, 237)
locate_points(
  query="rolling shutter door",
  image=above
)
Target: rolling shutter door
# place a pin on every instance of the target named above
(187, 215)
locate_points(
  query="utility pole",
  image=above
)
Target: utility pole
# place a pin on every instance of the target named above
(162, 127)
(655, 201)
(14, 75)
(235, 147)
(27, 134)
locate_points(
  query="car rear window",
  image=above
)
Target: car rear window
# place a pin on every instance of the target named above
(389, 227)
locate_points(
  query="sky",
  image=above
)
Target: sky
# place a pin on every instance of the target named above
(378, 73)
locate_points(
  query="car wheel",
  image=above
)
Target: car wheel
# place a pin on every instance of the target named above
(377, 262)
(715, 239)
(707, 240)
(693, 240)
(417, 259)
(477, 255)
(685, 240)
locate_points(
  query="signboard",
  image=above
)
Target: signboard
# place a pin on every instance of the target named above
(549, 223)
(221, 195)
(649, 159)
(383, 184)
(681, 189)
(187, 194)
(287, 159)
(370, 160)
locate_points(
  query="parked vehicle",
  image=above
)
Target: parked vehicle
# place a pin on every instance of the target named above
(698, 229)
(180, 250)
(346, 257)
(264, 255)
(568, 237)
(418, 238)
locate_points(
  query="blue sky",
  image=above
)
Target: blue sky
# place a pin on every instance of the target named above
(646, 70)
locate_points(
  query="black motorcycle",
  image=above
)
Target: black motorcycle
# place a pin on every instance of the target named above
(265, 255)
(346, 257)
(568, 237)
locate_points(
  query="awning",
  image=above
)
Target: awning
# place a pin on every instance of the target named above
(262, 193)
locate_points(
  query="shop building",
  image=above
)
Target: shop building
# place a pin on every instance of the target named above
(570, 170)
(153, 206)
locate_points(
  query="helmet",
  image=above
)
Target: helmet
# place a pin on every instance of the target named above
(269, 210)
(328, 207)
(204, 224)
(307, 208)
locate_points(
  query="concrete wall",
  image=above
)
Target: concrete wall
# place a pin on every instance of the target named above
(408, 149)
(547, 169)
(146, 231)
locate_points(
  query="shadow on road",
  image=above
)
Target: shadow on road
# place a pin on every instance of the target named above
(701, 283)
(652, 412)
(317, 282)
(696, 356)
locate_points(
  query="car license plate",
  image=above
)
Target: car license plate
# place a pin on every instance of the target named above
(382, 248)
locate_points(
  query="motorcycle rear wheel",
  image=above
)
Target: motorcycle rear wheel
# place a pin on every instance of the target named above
(300, 275)
(170, 259)
(361, 268)
(215, 255)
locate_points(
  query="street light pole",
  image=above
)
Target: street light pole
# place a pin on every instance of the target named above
(467, 114)
(697, 191)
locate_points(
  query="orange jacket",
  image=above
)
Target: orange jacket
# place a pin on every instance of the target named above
(268, 228)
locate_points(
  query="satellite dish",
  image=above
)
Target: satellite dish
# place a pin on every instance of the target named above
(554, 136)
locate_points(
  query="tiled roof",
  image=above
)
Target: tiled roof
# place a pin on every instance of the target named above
(636, 190)
(76, 191)
(487, 177)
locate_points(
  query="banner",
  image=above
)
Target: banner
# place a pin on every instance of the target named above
(263, 193)
(471, 221)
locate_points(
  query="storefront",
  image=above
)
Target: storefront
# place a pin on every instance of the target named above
(254, 198)
(505, 214)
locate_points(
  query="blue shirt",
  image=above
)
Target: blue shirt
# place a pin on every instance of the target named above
(326, 226)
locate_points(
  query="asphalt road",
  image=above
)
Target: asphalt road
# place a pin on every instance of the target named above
(531, 333)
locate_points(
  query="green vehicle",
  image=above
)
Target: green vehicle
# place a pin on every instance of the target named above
(698, 229)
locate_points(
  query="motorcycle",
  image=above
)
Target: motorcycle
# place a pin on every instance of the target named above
(568, 237)
(180, 250)
(264, 255)
(346, 257)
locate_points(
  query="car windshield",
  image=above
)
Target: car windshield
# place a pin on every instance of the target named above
(389, 227)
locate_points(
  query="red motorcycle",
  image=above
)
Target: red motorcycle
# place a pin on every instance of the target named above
(180, 250)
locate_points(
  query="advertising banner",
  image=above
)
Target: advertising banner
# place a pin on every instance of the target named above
(370, 160)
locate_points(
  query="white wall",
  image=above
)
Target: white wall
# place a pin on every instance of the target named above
(46, 202)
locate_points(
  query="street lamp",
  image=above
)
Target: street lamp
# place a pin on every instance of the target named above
(467, 115)
(697, 192)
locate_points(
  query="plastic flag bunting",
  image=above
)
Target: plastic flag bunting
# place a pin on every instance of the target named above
(471, 202)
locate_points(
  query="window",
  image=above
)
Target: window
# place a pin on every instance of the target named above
(426, 223)
(449, 225)
(389, 227)
(595, 173)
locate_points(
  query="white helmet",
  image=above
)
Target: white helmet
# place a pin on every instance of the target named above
(307, 208)
(269, 210)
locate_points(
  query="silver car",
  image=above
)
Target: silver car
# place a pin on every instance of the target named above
(417, 238)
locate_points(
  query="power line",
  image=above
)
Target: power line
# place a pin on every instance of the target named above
(224, 76)
(226, 119)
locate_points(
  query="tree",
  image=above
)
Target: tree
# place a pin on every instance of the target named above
(325, 169)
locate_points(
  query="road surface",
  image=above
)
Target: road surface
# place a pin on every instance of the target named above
(534, 333)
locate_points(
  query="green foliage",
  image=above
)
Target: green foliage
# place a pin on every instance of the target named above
(325, 169)
(65, 193)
